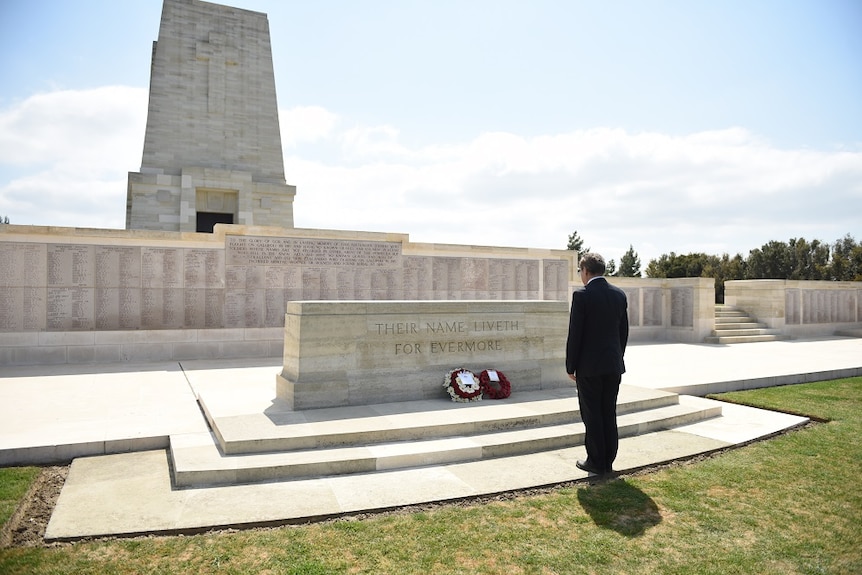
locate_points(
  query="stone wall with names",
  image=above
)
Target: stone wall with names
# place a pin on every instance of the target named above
(800, 308)
(245, 282)
(828, 306)
(23, 297)
(682, 307)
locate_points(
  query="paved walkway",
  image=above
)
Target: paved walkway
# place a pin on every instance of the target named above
(50, 414)
(55, 413)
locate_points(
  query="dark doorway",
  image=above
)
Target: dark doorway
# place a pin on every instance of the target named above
(207, 220)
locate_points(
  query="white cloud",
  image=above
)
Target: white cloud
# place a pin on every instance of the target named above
(94, 128)
(67, 154)
(64, 156)
(305, 124)
(719, 191)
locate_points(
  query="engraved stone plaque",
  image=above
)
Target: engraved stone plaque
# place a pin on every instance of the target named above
(244, 308)
(70, 265)
(446, 278)
(117, 308)
(791, 306)
(474, 278)
(117, 266)
(556, 279)
(653, 308)
(70, 308)
(242, 250)
(418, 277)
(23, 278)
(161, 267)
(23, 265)
(203, 268)
(634, 305)
(682, 307)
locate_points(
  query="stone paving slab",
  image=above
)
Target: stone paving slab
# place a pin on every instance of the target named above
(127, 494)
(701, 369)
(50, 415)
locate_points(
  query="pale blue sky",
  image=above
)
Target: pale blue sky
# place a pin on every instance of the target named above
(668, 125)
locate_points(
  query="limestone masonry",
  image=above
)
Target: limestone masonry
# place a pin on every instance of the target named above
(210, 262)
(212, 149)
(361, 353)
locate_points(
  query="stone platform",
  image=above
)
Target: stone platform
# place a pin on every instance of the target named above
(364, 464)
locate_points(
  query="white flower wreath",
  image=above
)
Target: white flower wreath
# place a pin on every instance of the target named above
(462, 385)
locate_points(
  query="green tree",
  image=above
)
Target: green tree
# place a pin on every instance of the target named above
(630, 264)
(611, 268)
(4, 220)
(725, 268)
(846, 261)
(770, 261)
(678, 266)
(809, 261)
(699, 265)
(796, 259)
(576, 243)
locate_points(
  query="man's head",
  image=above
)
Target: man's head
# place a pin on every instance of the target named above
(590, 266)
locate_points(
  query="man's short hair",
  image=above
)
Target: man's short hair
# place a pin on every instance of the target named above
(594, 264)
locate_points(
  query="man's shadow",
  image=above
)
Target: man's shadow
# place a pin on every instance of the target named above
(619, 506)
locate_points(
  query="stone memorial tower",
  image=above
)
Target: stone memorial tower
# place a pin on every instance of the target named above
(212, 149)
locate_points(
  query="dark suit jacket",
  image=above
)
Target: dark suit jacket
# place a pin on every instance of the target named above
(598, 330)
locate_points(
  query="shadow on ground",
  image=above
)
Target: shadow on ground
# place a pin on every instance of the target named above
(619, 506)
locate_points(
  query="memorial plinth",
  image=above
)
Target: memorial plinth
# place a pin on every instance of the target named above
(339, 353)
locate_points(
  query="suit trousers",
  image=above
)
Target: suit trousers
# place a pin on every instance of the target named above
(597, 399)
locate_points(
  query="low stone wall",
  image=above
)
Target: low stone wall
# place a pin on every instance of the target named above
(799, 308)
(678, 310)
(360, 353)
(84, 347)
(66, 292)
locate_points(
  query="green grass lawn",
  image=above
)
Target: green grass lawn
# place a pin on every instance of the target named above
(787, 505)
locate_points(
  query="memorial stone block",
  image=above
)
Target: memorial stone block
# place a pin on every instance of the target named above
(357, 353)
(653, 306)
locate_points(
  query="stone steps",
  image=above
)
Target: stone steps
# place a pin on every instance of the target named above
(417, 435)
(734, 325)
(282, 429)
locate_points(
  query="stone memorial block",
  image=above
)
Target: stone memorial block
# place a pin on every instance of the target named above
(682, 307)
(556, 276)
(23, 292)
(212, 146)
(360, 353)
(634, 306)
(653, 308)
(792, 301)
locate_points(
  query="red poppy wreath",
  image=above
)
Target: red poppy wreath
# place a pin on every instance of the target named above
(462, 385)
(494, 384)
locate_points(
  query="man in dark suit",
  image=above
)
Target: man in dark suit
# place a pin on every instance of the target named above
(598, 333)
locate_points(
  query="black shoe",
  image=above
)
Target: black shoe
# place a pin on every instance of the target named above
(588, 468)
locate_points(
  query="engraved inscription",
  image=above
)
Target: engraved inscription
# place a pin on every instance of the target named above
(161, 267)
(416, 337)
(243, 250)
(682, 307)
(653, 309)
(70, 265)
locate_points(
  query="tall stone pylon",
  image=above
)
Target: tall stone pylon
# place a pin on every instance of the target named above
(212, 149)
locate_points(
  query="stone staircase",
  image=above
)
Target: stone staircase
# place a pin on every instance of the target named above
(734, 325)
(279, 444)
